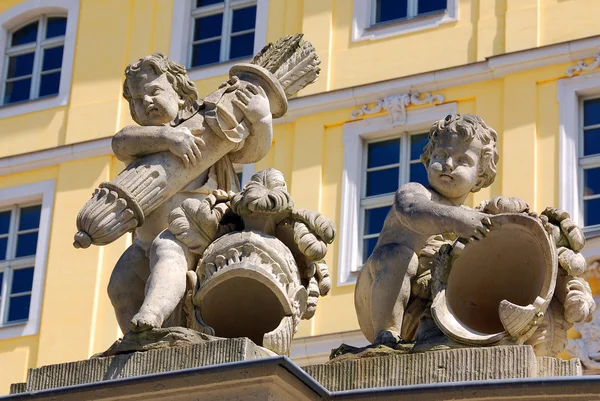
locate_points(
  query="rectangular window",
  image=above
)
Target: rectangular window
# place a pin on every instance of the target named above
(389, 164)
(222, 30)
(19, 228)
(394, 10)
(589, 161)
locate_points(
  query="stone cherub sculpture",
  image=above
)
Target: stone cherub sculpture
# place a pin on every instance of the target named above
(183, 149)
(413, 287)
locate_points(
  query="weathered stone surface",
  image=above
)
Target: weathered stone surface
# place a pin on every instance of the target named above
(548, 366)
(17, 388)
(464, 364)
(141, 363)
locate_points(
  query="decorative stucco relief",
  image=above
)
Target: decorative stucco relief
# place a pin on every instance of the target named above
(396, 105)
(582, 66)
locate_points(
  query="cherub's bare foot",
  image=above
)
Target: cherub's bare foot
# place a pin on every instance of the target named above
(145, 320)
(388, 338)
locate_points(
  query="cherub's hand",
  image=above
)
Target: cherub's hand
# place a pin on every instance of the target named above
(185, 145)
(253, 102)
(472, 225)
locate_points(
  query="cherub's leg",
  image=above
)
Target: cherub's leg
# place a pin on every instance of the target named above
(126, 285)
(392, 268)
(169, 262)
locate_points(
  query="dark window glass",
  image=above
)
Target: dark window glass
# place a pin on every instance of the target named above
(1, 278)
(241, 46)
(417, 144)
(26, 244)
(50, 84)
(57, 26)
(18, 308)
(201, 3)
(27, 34)
(427, 6)
(20, 65)
(3, 243)
(382, 181)
(243, 19)
(591, 141)
(239, 176)
(418, 173)
(22, 280)
(208, 27)
(368, 246)
(17, 91)
(388, 10)
(591, 179)
(30, 217)
(5, 221)
(591, 212)
(383, 153)
(591, 112)
(374, 219)
(52, 58)
(206, 53)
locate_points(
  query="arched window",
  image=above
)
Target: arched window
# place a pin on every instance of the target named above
(34, 54)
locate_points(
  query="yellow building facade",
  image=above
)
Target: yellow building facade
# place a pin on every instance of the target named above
(528, 67)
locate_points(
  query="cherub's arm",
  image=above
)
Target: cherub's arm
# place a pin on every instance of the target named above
(415, 209)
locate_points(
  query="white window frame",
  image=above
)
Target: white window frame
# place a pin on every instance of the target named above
(247, 171)
(180, 46)
(356, 134)
(40, 192)
(364, 27)
(571, 92)
(23, 13)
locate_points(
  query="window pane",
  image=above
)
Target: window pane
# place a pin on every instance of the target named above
(388, 10)
(382, 181)
(427, 6)
(1, 278)
(241, 46)
(591, 141)
(3, 244)
(243, 19)
(26, 244)
(374, 219)
(200, 3)
(368, 246)
(206, 53)
(208, 27)
(27, 34)
(418, 173)
(17, 91)
(52, 58)
(383, 153)
(417, 144)
(22, 280)
(50, 84)
(591, 112)
(21, 65)
(591, 181)
(239, 176)
(18, 308)
(4, 221)
(591, 212)
(30, 217)
(57, 26)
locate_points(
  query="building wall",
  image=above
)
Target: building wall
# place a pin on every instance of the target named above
(520, 102)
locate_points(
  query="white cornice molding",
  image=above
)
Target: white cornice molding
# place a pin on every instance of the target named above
(316, 349)
(582, 66)
(396, 106)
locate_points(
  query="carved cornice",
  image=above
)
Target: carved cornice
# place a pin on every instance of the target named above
(396, 105)
(582, 66)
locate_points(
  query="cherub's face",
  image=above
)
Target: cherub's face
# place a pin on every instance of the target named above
(154, 100)
(453, 170)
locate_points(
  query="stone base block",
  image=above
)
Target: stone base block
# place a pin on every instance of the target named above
(140, 363)
(455, 365)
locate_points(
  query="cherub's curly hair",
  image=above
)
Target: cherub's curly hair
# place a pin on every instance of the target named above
(266, 192)
(176, 75)
(467, 127)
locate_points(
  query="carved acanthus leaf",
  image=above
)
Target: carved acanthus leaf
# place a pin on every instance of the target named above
(582, 66)
(396, 105)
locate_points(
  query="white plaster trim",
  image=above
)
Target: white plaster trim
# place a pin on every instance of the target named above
(180, 39)
(569, 178)
(355, 133)
(363, 28)
(23, 12)
(582, 66)
(247, 173)
(43, 191)
(313, 350)
(54, 156)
